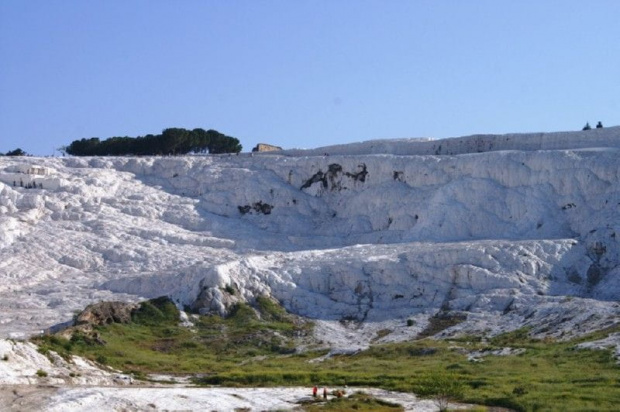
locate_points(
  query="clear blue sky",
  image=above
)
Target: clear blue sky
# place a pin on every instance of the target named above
(304, 73)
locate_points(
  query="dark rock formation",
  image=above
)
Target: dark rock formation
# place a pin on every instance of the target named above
(104, 313)
(332, 178)
(258, 207)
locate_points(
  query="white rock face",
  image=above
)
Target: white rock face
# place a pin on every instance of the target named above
(22, 364)
(510, 230)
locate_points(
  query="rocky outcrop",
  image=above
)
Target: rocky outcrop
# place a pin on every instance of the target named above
(216, 300)
(332, 179)
(256, 207)
(104, 313)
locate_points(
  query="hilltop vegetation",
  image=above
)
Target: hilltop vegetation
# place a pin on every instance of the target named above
(16, 152)
(172, 141)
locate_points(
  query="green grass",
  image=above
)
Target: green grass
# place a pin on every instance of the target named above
(155, 342)
(255, 347)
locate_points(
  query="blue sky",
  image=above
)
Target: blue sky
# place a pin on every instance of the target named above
(304, 73)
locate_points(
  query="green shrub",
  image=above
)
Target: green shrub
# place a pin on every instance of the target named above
(270, 310)
(441, 321)
(507, 403)
(516, 337)
(477, 383)
(242, 314)
(156, 312)
(189, 345)
(41, 373)
(519, 390)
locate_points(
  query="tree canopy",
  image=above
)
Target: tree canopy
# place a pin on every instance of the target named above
(172, 141)
(16, 152)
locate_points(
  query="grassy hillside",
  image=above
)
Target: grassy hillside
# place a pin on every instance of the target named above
(255, 346)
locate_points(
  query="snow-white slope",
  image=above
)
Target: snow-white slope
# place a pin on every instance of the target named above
(21, 361)
(510, 230)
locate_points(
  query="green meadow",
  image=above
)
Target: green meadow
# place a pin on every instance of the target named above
(256, 346)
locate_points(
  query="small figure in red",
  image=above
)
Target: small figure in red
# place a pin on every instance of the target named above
(314, 391)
